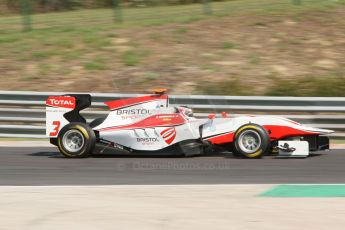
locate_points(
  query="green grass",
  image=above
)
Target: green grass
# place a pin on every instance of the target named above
(229, 45)
(131, 58)
(66, 29)
(103, 18)
(44, 68)
(155, 36)
(254, 59)
(30, 77)
(232, 86)
(96, 64)
(150, 76)
(181, 30)
(9, 38)
(73, 54)
(96, 40)
(65, 43)
(324, 86)
(75, 38)
(44, 54)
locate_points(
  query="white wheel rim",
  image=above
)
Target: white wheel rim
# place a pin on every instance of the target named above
(73, 140)
(249, 141)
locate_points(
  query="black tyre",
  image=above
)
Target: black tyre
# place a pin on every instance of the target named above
(76, 140)
(251, 141)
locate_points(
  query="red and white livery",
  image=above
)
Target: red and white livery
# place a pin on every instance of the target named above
(147, 125)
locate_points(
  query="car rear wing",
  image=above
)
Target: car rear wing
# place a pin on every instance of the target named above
(62, 110)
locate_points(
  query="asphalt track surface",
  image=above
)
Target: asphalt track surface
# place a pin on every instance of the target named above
(45, 166)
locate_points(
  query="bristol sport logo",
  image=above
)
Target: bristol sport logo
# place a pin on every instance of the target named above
(132, 111)
(61, 102)
(147, 139)
(169, 135)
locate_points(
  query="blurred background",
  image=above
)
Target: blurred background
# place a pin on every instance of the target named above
(235, 47)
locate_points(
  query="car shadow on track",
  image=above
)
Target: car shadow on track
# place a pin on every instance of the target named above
(225, 155)
(47, 154)
(117, 155)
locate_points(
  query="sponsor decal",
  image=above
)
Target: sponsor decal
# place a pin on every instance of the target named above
(132, 111)
(168, 116)
(61, 102)
(56, 129)
(130, 117)
(169, 135)
(147, 139)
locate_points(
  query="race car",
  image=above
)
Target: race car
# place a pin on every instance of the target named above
(148, 125)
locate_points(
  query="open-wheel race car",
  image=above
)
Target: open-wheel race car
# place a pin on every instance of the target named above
(147, 125)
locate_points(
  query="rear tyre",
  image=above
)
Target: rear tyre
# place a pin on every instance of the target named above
(76, 140)
(251, 141)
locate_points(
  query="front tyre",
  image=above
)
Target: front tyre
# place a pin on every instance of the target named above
(251, 141)
(76, 140)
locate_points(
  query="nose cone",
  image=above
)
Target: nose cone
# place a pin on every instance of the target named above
(321, 131)
(327, 131)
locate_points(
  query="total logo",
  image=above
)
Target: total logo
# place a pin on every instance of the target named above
(169, 135)
(64, 102)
